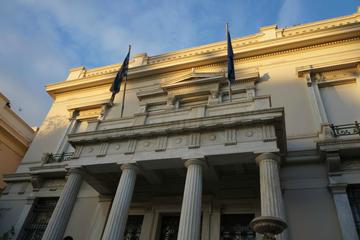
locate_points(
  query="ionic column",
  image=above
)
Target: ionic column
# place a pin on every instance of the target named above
(62, 212)
(272, 220)
(116, 222)
(189, 226)
(343, 209)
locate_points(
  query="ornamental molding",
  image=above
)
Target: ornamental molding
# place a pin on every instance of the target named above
(330, 67)
(106, 77)
(17, 177)
(89, 110)
(195, 86)
(177, 127)
(335, 144)
(268, 42)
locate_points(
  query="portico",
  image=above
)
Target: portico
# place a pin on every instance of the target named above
(193, 166)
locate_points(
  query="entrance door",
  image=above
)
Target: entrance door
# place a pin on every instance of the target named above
(133, 227)
(169, 227)
(236, 227)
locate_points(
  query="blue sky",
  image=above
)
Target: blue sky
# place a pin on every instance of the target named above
(41, 40)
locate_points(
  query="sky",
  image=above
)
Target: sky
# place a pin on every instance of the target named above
(41, 39)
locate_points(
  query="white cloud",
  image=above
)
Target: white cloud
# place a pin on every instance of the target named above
(42, 39)
(291, 13)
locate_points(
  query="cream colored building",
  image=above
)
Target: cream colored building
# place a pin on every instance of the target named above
(186, 163)
(15, 138)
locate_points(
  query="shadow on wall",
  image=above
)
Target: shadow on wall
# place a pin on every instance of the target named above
(47, 139)
(342, 103)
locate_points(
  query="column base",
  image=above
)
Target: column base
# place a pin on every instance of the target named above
(269, 226)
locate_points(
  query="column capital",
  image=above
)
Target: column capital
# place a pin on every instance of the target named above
(338, 188)
(104, 198)
(77, 170)
(129, 166)
(265, 156)
(196, 161)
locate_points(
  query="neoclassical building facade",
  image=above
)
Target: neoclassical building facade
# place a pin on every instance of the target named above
(184, 162)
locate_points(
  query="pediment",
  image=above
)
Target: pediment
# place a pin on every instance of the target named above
(194, 78)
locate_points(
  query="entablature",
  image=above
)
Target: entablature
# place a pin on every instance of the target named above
(269, 41)
(331, 73)
(229, 133)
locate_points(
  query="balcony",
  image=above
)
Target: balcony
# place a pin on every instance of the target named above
(345, 129)
(58, 157)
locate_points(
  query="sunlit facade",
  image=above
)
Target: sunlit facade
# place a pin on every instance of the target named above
(185, 162)
(15, 138)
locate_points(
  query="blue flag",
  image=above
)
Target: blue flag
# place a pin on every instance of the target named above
(230, 58)
(115, 87)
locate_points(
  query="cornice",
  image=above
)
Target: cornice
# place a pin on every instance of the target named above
(15, 135)
(178, 126)
(16, 119)
(338, 143)
(16, 177)
(269, 42)
(329, 66)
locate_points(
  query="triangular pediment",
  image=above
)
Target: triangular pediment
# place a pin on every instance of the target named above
(194, 78)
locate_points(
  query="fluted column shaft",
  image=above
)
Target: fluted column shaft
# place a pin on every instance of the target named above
(189, 226)
(272, 219)
(271, 197)
(62, 212)
(116, 222)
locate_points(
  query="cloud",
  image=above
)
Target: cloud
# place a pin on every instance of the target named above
(40, 40)
(291, 13)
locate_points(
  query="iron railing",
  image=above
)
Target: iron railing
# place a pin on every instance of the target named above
(61, 157)
(346, 129)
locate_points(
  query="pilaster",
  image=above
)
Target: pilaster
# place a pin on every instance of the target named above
(99, 219)
(344, 213)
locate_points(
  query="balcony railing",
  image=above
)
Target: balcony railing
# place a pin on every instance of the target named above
(61, 157)
(345, 129)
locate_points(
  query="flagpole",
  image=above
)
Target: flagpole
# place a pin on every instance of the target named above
(227, 40)
(112, 98)
(124, 90)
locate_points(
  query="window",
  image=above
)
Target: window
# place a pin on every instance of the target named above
(353, 192)
(39, 218)
(133, 227)
(169, 227)
(335, 94)
(341, 102)
(236, 227)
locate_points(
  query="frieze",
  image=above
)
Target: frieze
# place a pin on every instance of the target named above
(161, 143)
(131, 146)
(193, 140)
(230, 137)
(103, 149)
(172, 126)
(54, 183)
(268, 133)
(78, 150)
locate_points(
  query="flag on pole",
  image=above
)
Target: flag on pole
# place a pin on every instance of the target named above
(115, 87)
(230, 57)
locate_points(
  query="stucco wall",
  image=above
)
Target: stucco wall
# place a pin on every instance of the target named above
(310, 209)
